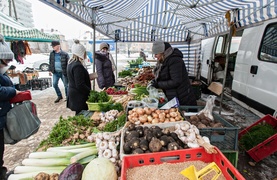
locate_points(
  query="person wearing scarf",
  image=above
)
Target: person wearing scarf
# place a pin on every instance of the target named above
(104, 67)
(171, 75)
(79, 84)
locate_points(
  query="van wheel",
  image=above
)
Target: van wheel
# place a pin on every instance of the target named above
(44, 67)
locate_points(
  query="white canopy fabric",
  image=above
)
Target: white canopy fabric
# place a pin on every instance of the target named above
(169, 20)
(13, 30)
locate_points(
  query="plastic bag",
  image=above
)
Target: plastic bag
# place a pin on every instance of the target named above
(208, 110)
(153, 92)
(157, 94)
(22, 122)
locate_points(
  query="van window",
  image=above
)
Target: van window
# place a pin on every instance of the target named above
(268, 49)
(219, 46)
(235, 44)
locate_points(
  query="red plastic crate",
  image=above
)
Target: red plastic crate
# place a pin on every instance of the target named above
(22, 96)
(266, 147)
(193, 154)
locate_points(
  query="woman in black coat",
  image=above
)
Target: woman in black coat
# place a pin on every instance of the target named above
(171, 75)
(79, 85)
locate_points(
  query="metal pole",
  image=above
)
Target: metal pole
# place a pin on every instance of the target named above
(93, 26)
(14, 9)
(116, 60)
(229, 38)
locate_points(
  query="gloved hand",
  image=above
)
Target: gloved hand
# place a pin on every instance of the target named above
(153, 83)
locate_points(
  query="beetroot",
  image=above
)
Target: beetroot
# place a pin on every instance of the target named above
(72, 172)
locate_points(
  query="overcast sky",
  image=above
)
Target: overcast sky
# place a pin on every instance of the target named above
(46, 17)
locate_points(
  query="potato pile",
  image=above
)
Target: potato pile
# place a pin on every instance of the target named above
(146, 115)
(201, 121)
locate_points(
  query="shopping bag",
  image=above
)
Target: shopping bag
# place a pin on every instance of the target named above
(22, 122)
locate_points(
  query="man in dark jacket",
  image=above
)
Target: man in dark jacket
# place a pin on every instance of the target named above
(58, 61)
(7, 91)
(171, 75)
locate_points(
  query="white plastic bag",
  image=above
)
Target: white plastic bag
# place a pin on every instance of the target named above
(153, 92)
(208, 110)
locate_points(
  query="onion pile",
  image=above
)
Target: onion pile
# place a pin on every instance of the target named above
(146, 115)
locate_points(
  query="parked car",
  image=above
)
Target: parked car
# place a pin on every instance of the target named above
(42, 65)
(43, 62)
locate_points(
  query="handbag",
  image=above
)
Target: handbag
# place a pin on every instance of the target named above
(22, 122)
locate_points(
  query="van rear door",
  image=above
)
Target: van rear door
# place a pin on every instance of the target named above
(206, 59)
(256, 66)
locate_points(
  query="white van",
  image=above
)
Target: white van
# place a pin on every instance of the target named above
(251, 74)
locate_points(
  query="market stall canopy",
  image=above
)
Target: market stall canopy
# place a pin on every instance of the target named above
(13, 30)
(169, 20)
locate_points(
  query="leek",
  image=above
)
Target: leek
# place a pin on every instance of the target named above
(45, 155)
(79, 150)
(81, 155)
(78, 146)
(87, 159)
(29, 169)
(46, 162)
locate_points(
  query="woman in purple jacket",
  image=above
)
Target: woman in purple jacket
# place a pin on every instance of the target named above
(7, 91)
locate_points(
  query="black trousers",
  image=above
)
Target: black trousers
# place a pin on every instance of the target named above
(2, 148)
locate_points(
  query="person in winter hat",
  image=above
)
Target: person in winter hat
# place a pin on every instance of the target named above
(7, 91)
(105, 45)
(78, 79)
(104, 67)
(171, 75)
(58, 61)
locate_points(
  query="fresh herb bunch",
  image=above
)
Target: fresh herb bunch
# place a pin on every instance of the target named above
(64, 129)
(98, 97)
(116, 124)
(109, 106)
(256, 135)
(139, 60)
(125, 73)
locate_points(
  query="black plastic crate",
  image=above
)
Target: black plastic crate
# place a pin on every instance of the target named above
(38, 84)
(225, 138)
(47, 81)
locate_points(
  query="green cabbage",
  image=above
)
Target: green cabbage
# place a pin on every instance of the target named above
(100, 169)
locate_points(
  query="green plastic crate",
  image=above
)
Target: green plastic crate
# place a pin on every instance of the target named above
(225, 138)
(232, 156)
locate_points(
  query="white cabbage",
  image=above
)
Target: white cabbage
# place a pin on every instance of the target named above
(100, 169)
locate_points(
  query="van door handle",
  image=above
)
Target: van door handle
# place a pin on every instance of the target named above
(207, 62)
(254, 69)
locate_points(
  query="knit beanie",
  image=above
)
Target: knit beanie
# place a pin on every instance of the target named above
(78, 49)
(160, 46)
(5, 51)
(104, 45)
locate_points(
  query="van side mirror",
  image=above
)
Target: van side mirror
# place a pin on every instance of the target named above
(254, 69)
